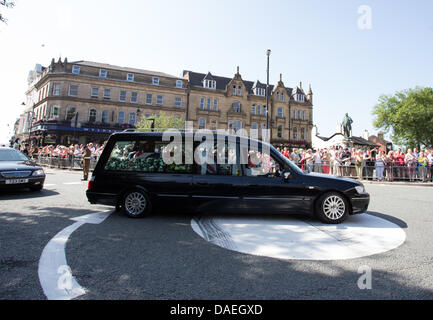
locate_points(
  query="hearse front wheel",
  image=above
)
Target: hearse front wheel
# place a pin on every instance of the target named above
(332, 208)
(136, 204)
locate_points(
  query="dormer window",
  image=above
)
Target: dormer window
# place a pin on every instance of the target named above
(300, 97)
(155, 81)
(76, 69)
(178, 83)
(130, 77)
(260, 92)
(209, 84)
(102, 73)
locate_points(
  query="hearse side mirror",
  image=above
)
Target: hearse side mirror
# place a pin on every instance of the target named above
(286, 175)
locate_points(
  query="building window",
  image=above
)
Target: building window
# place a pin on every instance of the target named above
(235, 125)
(215, 104)
(280, 112)
(122, 97)
(299, 115)
(210, 84)
(202, 123)
(259, 109)
(236, 107)
(280, 131)
(70, 113)
(132, 119)
(282, 96)
(159, 100)
(254, 109)
(254, 126)
(303, 134)
(130, 77)
(155, 81)
(240, 91)
(121, 117)
(104, 118)
(73, 90)
(295, 133)
(294, 114)
(54, 114)
(179, 84)
(178, 102)
(260, 92)
(92, 115)
(303, 115)
(56, 89)
(102, 73)
(94, 93)
(107, 93)
(149, 99)
(76, 69)
(234, 90)
(208, 104)
(202, 103)
(278, 96)
(134, 97)
(300, 97)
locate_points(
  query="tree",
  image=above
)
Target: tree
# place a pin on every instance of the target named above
(161, 120)
(408, 115)
(7, 4)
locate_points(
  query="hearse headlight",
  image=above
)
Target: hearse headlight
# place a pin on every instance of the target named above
(38, 173)
(360, 189)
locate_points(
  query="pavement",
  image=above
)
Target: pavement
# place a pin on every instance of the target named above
(162, 258)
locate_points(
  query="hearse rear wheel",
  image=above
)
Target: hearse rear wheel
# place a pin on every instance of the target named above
(136, 204)
(332, 208)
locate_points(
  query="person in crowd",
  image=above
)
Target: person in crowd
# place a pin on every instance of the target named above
(346, 159)
(326, 158)
(317, 161)
(309, 161)
(430, 160)
(359, 164)
(87, 153)
(399, 164)
(410, 161)
(380, 165)
(422, 166)
(389, 165)
(332, 153)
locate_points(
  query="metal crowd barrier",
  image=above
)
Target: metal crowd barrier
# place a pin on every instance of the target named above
(387, 172)
(70, 163)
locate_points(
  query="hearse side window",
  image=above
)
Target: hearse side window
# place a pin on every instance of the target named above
(142, 156)
(261, 164)
(225, 162)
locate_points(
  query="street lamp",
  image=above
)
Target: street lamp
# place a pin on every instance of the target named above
(268, 53)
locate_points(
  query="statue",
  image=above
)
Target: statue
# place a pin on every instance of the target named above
(347, 126)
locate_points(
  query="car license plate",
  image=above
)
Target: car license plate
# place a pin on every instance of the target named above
(17, 181)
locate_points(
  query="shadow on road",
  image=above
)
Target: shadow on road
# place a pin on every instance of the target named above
(26, 194)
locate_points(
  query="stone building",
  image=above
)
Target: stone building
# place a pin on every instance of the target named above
(234, 103)
(82, 101)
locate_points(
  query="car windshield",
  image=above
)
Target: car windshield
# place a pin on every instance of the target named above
(12, 155)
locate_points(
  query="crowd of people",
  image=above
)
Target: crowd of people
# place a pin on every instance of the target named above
(365, 164)
(62, 152)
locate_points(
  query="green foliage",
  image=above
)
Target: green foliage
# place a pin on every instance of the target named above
(408, 115)
(162, 121)
(7, 4)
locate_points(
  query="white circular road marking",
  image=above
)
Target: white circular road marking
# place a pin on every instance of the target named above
(292, 238)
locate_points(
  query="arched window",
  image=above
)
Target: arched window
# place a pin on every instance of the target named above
(253, 109)
(278, 96)
(237, 106)
(92, 115)
(259, 109)
(299, 114)
(240, 91)
(282, 96)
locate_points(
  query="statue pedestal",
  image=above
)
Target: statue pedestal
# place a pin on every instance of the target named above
(347, 142)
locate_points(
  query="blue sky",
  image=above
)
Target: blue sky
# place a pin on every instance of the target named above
(316, 42)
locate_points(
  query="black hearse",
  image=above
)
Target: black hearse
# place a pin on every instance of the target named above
(224, 173)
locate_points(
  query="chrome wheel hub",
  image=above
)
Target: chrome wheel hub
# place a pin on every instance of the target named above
(135, 203)
(334, 207)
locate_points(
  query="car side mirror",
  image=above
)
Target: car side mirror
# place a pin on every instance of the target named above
(287, 175)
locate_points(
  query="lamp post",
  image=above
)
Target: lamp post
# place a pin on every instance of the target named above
(268, 53)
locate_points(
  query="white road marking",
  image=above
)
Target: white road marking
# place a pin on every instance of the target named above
(76, 182)
(55, 276)
(49, 184)
(291, 238)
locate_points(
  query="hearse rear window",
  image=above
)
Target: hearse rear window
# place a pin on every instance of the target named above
(142, 156)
